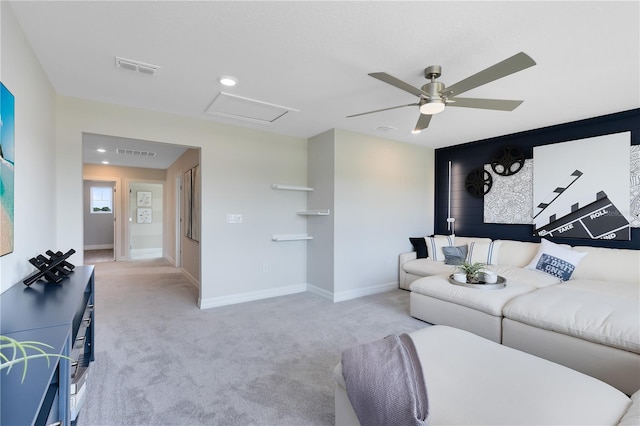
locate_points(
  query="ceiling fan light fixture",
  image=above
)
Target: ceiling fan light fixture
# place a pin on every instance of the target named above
(432, 107)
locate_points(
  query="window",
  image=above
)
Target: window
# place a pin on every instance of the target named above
(101, 200)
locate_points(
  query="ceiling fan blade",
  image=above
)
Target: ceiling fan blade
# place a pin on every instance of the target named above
(423, 122)
(389, 79)
(383, 109)
(517, 62)
(497, 104)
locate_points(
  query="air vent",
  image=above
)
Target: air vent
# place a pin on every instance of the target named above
(136, 66)
(135, 152)
(233, 106)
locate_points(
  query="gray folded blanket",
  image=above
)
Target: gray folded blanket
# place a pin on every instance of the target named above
(384, 382)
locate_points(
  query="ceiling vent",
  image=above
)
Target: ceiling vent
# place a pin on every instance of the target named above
(238, 107)
(135, 152)
(385, 128)
(141, 67)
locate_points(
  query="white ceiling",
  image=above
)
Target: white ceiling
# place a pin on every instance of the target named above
(314, 57)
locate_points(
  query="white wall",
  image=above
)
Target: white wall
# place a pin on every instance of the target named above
(191, 256)
(238, 167)
(380, 193)
(383, 195)
(383, 191)
(35, 178)
(146, 235)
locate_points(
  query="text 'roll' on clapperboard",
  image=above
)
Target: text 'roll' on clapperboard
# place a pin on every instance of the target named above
(600, 219)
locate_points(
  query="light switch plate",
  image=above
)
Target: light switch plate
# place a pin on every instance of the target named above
(234, 218)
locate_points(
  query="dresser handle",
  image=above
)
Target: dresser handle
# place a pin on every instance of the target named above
(80, 339)
(74, 364)
(90, 306)
(87, 320)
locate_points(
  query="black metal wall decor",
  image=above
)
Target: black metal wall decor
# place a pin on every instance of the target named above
(507, 161)
(54, 269)
(478, 182)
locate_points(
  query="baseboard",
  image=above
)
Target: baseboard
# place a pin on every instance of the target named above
(233, 299)
(325, 294)
(99, 247)
(365, 291)
(191, 279)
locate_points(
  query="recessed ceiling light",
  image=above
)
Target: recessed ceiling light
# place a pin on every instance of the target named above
(227, 80)
(105, 162)
(415, 132)
(101, 150)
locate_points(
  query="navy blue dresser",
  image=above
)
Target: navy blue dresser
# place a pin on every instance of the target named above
(60, 315)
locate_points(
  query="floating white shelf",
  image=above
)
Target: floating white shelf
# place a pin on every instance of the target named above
(291, 237)
(323, 212)
(291, 187)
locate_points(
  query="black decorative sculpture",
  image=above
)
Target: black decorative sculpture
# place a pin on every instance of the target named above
(53, 270)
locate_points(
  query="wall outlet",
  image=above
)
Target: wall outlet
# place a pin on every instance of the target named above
(265, 267)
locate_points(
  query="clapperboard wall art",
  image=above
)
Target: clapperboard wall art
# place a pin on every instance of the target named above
(581, 188)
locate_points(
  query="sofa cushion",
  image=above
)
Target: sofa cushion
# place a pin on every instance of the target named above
(556, 260)
(435, 244)
(484, 252)
(516, 253)
(632, 416)
(530, 277)
(455, 255)
(487, 301)
(620, 265)
(427, 267)
(419, 246)
(605, 313)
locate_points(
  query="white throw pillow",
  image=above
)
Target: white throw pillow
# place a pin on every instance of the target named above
(556, 260)
(486, 253)
(435, 244)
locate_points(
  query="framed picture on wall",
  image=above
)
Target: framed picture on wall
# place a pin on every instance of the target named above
(144, 215)
(7, 164)
(144, 198)
(187, 204)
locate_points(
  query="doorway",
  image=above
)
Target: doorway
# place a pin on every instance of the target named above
(145, 228)
(100, 218)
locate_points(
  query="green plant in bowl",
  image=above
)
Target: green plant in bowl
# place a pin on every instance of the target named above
(471, 270)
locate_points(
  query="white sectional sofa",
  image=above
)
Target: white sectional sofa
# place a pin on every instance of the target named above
(471, 380)
(590, 323)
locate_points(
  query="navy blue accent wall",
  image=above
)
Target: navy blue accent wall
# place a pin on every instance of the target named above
(468, 210)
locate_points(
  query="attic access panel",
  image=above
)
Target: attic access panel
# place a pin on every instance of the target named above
(241, 108)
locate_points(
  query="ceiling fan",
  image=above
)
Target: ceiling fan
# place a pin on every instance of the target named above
(434, 95)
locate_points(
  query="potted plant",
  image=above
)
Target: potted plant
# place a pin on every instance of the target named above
(471, 270)
(17, 353)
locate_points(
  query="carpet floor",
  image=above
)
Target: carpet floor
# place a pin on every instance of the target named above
(162, 361)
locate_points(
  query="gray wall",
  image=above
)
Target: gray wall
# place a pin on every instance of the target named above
(98, 227)
(320, 250)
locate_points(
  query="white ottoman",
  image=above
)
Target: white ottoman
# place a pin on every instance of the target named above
(435, 300)
(471, 380)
